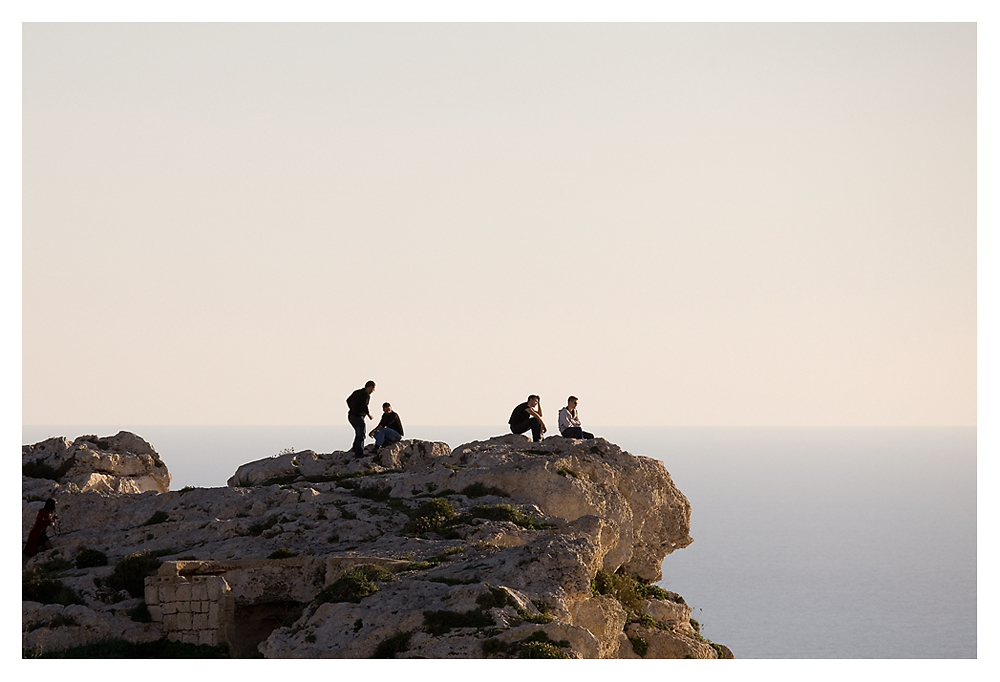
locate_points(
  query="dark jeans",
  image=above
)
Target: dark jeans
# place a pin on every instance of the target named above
(529, 423)
(358, 422)
(385, 435)
(576, 432)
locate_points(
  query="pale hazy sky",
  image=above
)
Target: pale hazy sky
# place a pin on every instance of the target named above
(701, 224)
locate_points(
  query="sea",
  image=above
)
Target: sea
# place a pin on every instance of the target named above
(809, 543)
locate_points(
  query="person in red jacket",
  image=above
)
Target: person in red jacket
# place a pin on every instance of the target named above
(38, 540)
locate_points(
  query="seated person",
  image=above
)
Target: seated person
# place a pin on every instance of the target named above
(526, 416)
(569, 421)
(389, 429)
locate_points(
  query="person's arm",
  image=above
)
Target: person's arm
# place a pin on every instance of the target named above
(381, 424)
(537, 415)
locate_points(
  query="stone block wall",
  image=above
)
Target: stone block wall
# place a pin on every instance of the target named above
(197, 609)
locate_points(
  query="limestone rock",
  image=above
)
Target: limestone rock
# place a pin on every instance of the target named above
(123, 463)
(490, 550)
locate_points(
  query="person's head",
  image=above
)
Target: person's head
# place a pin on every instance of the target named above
(533, 400)
(571, 402)
(370, 387)
(50, 504)
(387, 408)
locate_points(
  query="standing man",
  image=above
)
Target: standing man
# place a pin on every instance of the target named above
(357, 404)
(528, 416)
(569, 421)
(389, 430)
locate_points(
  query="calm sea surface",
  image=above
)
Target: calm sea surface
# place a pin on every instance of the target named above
(809, 543)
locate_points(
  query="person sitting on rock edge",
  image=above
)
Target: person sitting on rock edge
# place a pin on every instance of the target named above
(38, 540)
(389, 429)
(528, 415)
(569, 421)
(357, 404)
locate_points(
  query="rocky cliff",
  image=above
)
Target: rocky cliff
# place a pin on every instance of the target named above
(499, 548)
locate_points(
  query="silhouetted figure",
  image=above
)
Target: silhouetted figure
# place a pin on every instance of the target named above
(357, 409)
(38, 540)
(527, 416)
(389, 429)
(569, 421)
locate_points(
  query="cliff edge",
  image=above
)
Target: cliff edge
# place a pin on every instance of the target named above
(498, 548)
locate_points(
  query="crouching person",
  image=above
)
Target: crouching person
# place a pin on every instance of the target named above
(389, 429)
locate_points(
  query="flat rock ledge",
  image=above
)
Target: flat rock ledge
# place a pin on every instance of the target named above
(500, 548)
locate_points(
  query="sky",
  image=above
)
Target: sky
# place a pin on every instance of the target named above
(682, 224)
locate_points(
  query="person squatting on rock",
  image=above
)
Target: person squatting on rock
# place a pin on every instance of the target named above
(569, 421)
(357, 404)
(526, 416)
(389, 429)
(38, 540)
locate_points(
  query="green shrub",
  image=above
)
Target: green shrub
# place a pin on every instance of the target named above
(536, 645)
(477, 489)
(430, 516)
(628, 590)
(281, 553)
(39, 587)
(357, 583)
(130, 573)
(505, 512)
(90, 558)
(640, 645)
(157, 517)
(391, 646)
(441, 622)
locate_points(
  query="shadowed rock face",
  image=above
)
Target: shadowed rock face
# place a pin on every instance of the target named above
(488, 550)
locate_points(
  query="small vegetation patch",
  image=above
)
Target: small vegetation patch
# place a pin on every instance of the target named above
(505, 512)
(391, 646)
(130, 573)
(120, 648)
(258, 527)
(429, 516)
(640, 645)
(498, 597)
(55, 566)
(157, 517)
(441, 622)
(357, 583)
(39, 586)
(454, 581)
(479, 490)
(90, 558)
(377, 493)
(536, 645)
(628, 590)
(281, 553)
(566, 471)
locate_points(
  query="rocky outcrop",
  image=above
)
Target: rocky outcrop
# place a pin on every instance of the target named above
(123, 463)
(500, 548)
